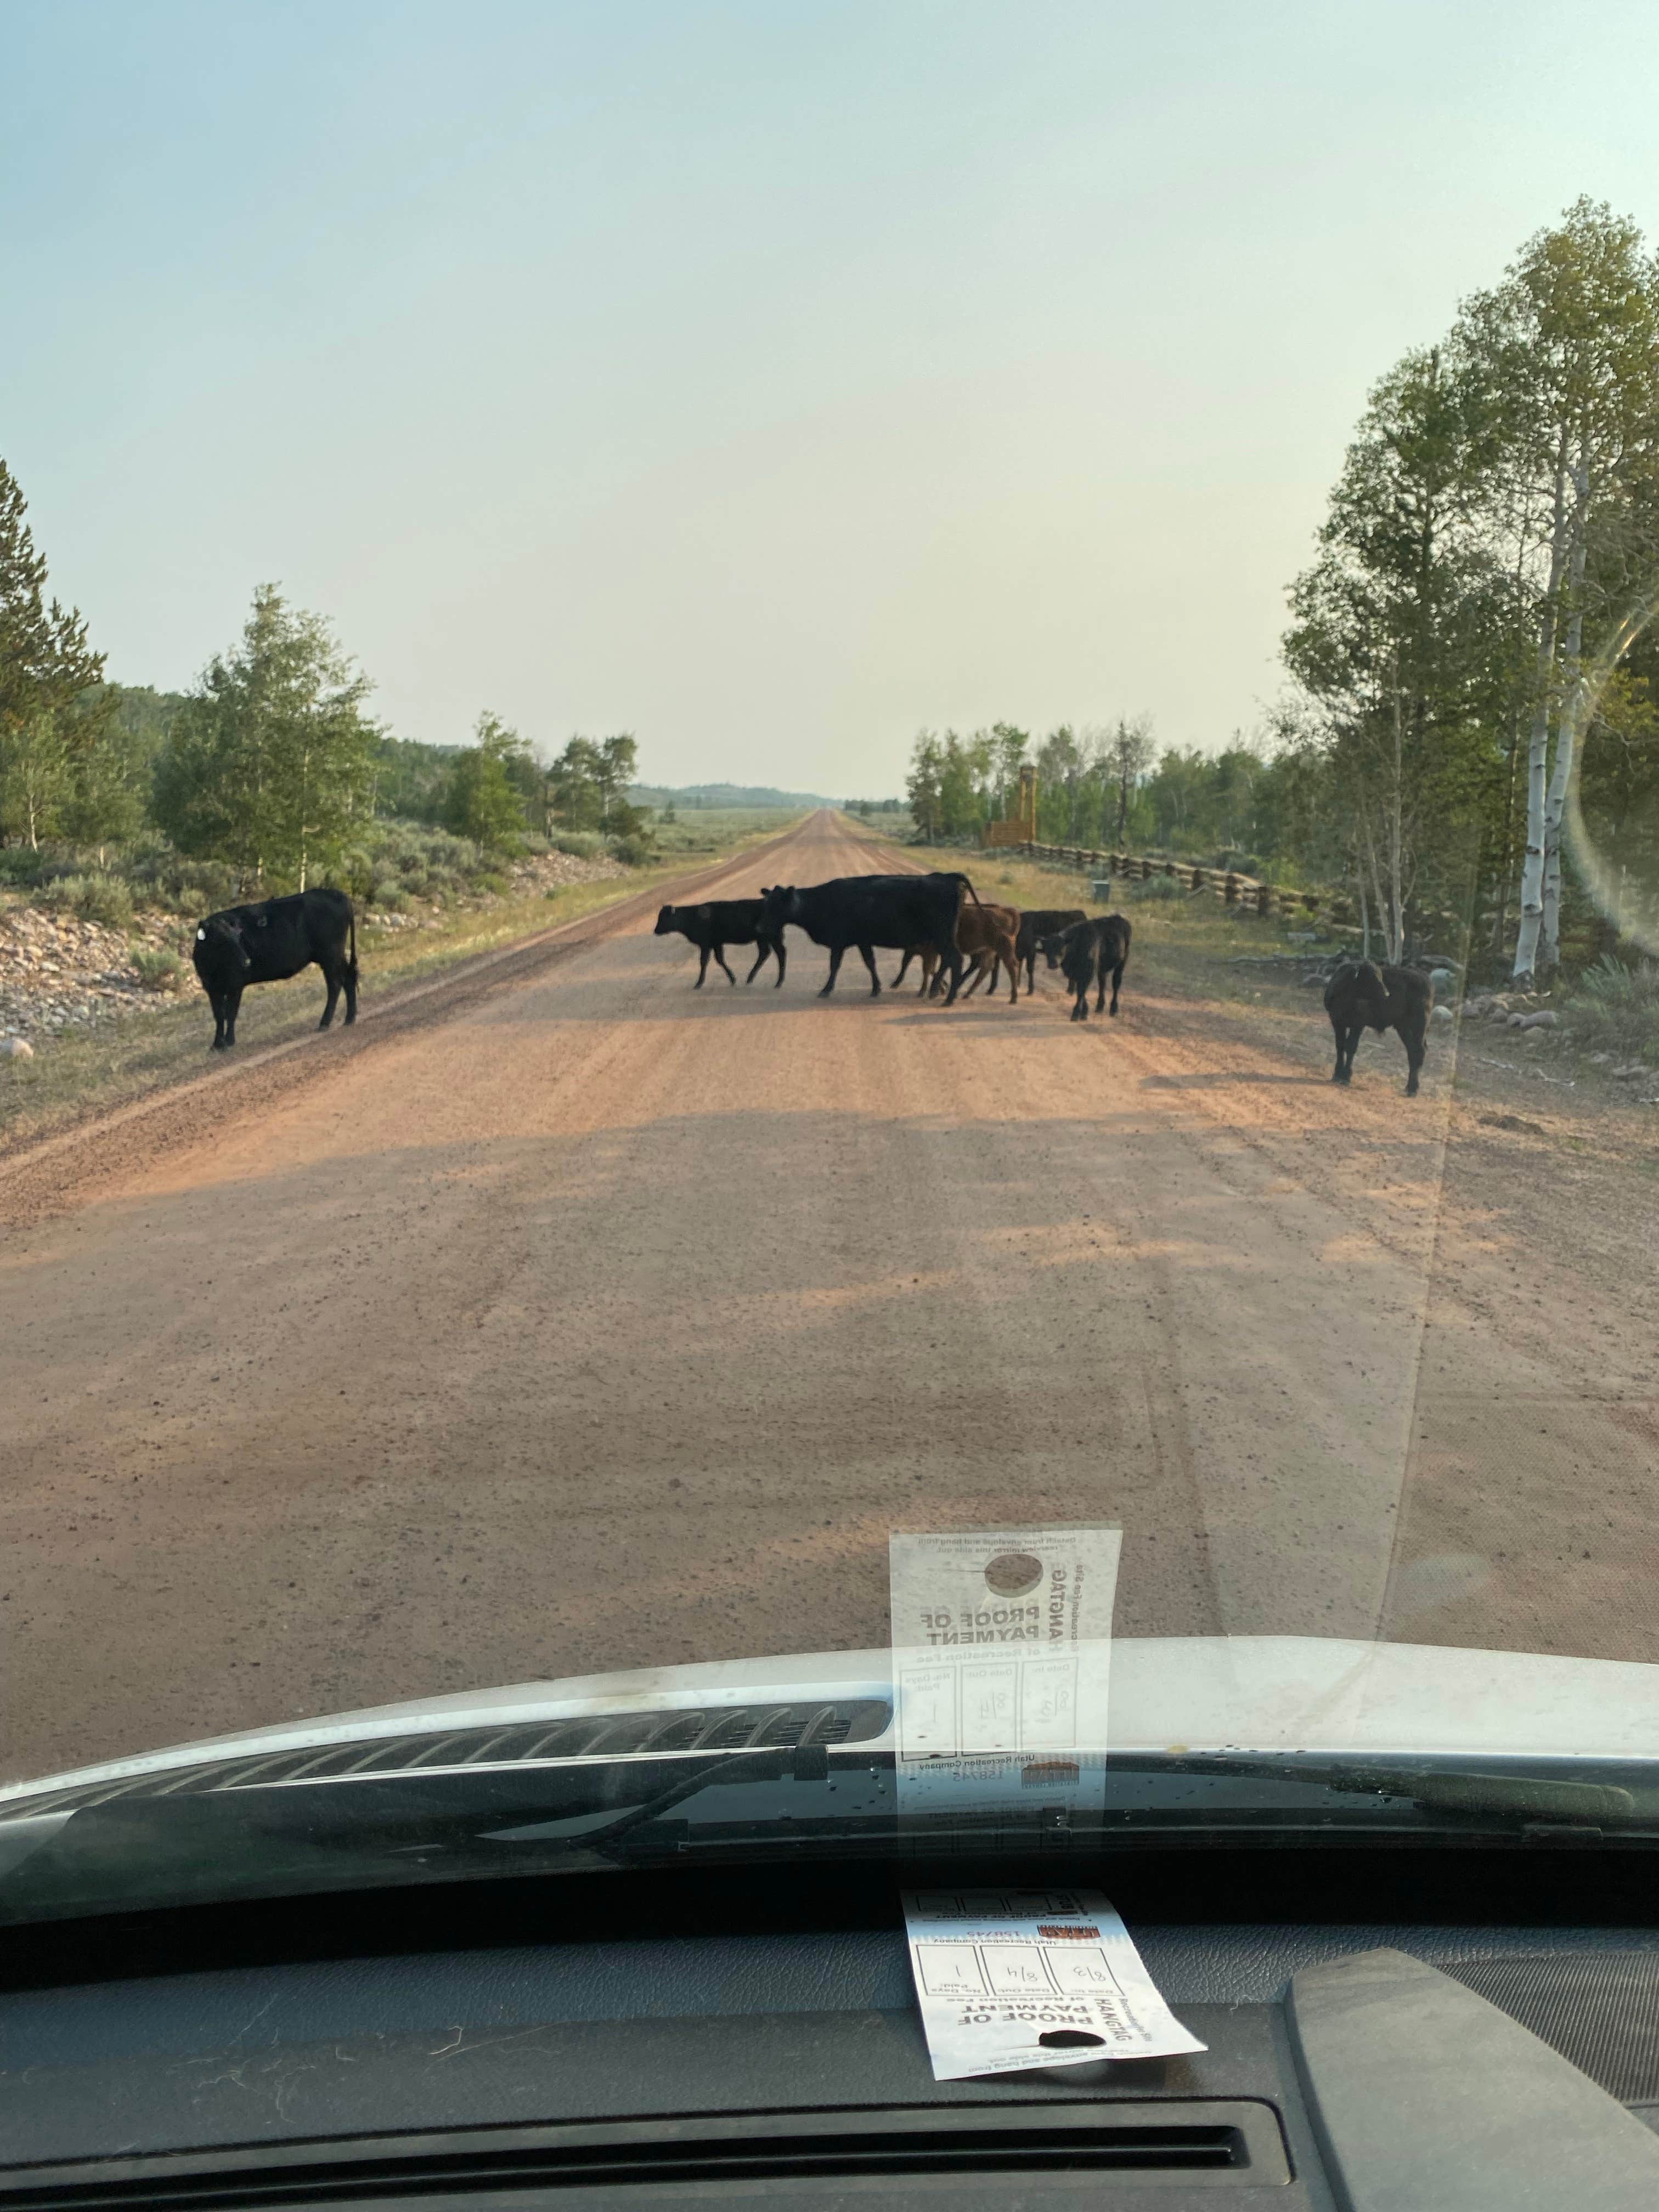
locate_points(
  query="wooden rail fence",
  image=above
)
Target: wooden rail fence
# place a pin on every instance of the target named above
(1270, 900)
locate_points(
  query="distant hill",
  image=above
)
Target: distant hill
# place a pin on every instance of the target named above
(724, 794)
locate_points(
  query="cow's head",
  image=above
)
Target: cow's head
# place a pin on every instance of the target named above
(1370, 993)
(219, 950)
(780, 903)
(665, 922)
(1051, 948)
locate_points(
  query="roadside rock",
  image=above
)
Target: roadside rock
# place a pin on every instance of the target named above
(58, 971)
(1441, 1014)
(15, 1047)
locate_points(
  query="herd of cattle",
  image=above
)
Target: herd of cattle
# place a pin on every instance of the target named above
(937, 920)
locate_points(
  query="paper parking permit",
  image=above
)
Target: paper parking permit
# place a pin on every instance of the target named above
(1014, 1978)
(1001, 1667)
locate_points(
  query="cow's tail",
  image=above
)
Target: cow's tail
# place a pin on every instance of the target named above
(968, 887)
(351, 964)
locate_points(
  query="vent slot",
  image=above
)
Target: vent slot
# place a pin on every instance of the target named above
(1239, 2140)
(527, 1743)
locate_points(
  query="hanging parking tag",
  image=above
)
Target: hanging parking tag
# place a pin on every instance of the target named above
(1008, 1980)
(1002, 1644)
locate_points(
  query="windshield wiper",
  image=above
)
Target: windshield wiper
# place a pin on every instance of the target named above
(1432, 1786)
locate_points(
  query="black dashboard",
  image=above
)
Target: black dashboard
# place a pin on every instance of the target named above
(606, 2042)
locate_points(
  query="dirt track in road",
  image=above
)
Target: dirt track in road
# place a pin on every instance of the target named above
(564, 1318)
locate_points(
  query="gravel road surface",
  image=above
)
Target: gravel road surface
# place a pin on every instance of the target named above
(560, 1317)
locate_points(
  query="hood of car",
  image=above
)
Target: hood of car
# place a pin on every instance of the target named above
(1320, 1697)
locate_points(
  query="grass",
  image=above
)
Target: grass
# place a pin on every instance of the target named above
(81, 1073)
(716, 829)
(1617, 1008)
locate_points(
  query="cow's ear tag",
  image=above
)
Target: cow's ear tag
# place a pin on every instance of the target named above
(201, 937)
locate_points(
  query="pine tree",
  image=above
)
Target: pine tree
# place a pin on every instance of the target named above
(46, 665)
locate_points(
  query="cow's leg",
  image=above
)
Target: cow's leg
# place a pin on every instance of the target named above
(929, 974)
(1414, 1042)
(1337, 1030)
(760, 959)
(778, 951)
(837, 954)
(955, 959)
(1009, 959)
(217, 1000)
(331, 977)
(702, 968)
(1117, 978)
(1080, 1011)
(867, 954)
(903, 967)
(349, 976)
(1030, 971)
(233, 1004)
(1100, 984)
(1350, 1045)
(720, 955)
(976, 969)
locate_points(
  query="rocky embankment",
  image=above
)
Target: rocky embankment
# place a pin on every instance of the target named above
(60, 972)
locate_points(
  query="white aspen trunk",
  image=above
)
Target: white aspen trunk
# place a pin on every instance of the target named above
(1369, 868)
(1567, 725)
(1365, 918)
(1396, 908)
(1538, 744)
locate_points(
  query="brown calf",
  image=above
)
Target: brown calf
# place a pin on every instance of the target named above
(986, 935)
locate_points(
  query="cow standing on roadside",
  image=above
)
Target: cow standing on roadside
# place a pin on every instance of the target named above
(1086, 953)
(1361, 996)
(891, 912)
(720, 922)
(271, 940)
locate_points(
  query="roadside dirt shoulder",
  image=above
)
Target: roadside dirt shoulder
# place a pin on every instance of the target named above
(70, 1166)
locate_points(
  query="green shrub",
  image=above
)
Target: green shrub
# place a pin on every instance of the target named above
(159, 970)
(581, 844)
(158, 877)
(96, 897)
(1157, 887)
(389, 897)
(490, 882)
(22, 867)
(1618, 1007)
(633, 852)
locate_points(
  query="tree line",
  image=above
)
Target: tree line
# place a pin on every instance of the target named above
(1469, 722)
(271, 762)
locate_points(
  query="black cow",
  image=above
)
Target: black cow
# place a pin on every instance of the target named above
(1039, 922)
(271, 941)
(1360, 996)
(720, 922)
(893, 912)
(1087, 953)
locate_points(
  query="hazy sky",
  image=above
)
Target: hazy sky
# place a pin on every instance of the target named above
(769, 381)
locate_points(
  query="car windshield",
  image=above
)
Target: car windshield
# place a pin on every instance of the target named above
(826, 835)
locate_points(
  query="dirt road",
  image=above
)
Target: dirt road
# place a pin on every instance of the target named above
(570, 1319)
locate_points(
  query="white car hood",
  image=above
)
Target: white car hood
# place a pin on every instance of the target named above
(1241, 1693)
